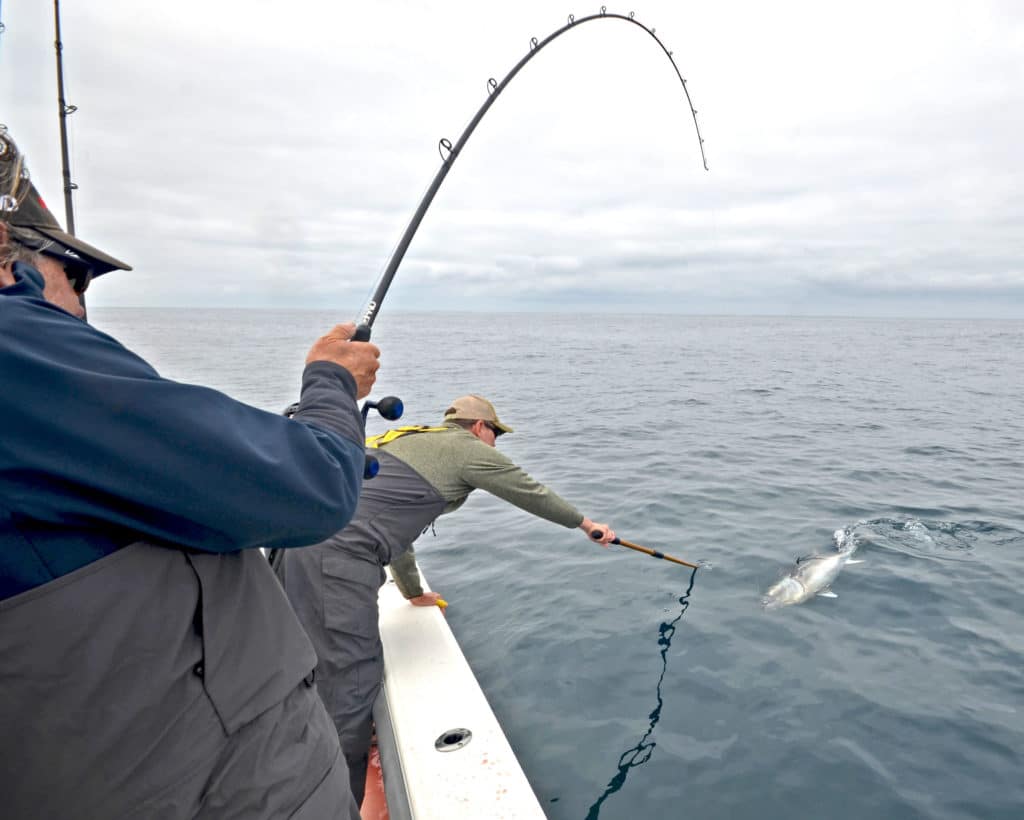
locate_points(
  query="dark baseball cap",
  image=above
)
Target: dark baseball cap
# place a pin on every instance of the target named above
(32, 224)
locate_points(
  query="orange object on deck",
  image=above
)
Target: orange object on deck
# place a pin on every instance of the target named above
(374, 807)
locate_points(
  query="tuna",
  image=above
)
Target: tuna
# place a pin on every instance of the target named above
(812, 576)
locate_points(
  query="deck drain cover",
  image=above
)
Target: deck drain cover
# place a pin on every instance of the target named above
(453, 739)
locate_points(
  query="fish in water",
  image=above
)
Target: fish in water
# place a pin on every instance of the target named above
(812, 575)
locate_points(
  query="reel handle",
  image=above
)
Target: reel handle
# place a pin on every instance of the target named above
(391, 408)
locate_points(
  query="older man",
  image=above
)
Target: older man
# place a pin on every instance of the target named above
(424, 472)
(151, 666)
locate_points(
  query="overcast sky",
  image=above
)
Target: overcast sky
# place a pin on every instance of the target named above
(865, 158)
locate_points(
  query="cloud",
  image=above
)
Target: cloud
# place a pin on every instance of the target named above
(863, 159)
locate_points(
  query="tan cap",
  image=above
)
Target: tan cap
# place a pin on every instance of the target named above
(473, 407)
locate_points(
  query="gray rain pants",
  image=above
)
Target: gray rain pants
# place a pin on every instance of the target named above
(334, 593)
(162, 684)
(333, 586)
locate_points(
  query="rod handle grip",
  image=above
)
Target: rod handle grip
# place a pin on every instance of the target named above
(362, 334)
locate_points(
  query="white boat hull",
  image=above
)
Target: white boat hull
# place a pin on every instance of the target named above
(430, 696)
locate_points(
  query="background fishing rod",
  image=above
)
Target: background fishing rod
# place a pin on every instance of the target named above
(449, 153)
(63, 110)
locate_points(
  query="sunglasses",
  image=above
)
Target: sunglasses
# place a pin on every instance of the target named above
(494, 429)
(79, 274)
(79, 278)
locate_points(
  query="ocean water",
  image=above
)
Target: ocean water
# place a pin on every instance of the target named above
(632, 687)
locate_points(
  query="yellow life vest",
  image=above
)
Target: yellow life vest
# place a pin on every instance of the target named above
(373, 442)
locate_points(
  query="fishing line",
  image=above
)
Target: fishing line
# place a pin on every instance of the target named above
(640, 753)
(449, 153)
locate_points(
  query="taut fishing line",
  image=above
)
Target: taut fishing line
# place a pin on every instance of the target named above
(449, 153)
(641, 752)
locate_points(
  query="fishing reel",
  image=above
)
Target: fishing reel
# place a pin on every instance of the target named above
(390, 408)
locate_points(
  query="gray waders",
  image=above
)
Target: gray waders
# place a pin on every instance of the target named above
(333, 588)
(161, 683)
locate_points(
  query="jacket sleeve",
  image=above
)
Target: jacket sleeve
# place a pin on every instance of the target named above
(94, 439)
(489, 469)
(407, 574)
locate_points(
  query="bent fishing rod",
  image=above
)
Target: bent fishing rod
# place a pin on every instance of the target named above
(450, 153)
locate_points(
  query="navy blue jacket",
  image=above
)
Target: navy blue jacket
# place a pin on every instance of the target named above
(97, 451)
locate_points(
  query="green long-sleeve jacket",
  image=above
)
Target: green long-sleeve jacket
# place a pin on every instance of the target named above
(455, 462)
